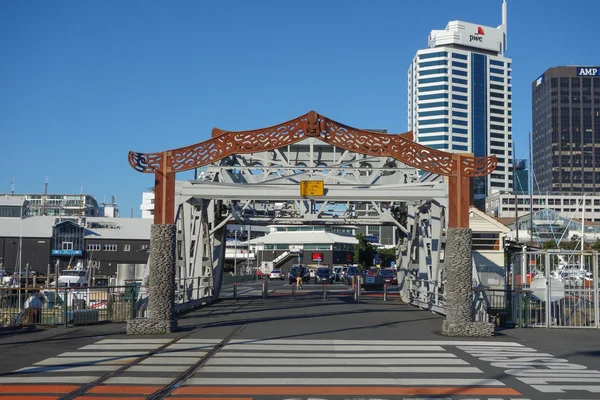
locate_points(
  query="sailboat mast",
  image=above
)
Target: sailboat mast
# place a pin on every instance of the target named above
(531, 176)
(582, 231)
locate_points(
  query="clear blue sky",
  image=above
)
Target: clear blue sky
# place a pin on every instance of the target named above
(84, 82)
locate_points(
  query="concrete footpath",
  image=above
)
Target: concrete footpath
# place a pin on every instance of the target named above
(279, 348)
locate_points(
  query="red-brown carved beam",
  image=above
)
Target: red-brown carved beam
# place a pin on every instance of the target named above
(401, 147)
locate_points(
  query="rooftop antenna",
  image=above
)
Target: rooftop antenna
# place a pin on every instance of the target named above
(504, 24)
(12, 188)
(45, 196)
(80, 202)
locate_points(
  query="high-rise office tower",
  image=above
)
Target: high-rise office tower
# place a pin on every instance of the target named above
(460, 100)
(566, 130)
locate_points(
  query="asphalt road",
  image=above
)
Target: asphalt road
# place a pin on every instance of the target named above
(307, 347)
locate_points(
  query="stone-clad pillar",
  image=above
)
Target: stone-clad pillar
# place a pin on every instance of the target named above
(161, 296)
(459, 286)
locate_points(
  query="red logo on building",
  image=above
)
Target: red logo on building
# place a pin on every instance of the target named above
(480, 31)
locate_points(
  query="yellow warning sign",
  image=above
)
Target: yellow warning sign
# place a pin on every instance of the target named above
(312, 188)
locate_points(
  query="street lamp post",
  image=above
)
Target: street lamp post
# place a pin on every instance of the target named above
(234, 252)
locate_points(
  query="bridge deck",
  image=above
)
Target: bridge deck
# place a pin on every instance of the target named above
(280, 348)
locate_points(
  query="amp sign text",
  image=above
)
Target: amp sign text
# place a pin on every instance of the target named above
(592, 71)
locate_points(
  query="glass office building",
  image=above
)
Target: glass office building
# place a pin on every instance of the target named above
(566, 130)
(460, 100)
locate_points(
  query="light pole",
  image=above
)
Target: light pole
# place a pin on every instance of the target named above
(234, 252)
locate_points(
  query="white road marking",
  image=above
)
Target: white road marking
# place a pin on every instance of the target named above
(282, 381)
(86, 360)
(367, 342)
(71, 379)
(339, 361)
(328, 370)
(327, 355)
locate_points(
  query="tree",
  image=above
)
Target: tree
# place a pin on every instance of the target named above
(387, 256)
(596, 246)
(550, 244)
(364, 252)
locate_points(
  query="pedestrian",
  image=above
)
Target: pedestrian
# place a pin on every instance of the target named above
(299, 277)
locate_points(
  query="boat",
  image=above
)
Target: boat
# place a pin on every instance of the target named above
(77, 276)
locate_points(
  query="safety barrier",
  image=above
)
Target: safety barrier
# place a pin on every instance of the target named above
(71, 306)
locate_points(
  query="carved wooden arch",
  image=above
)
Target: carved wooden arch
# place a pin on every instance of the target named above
(460, 168)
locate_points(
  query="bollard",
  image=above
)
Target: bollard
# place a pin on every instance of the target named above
(293, 291)
(358, 290)
(385, 292)
(264, 294)
(267, 287)
(234, 290)
(324, 291)
(354, 286)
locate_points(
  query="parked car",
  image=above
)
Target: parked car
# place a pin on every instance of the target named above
(293, 271)
(324, 275)
(389, 276)
(352, 271)
(276, 274)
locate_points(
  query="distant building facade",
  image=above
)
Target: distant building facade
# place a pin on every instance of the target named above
(502, 205)
(59, 205)
(566, 130)
(45, 242)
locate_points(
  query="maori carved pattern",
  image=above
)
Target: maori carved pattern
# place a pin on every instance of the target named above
(224, 144)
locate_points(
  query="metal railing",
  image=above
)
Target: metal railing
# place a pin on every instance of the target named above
(71, 306)
(549, 288)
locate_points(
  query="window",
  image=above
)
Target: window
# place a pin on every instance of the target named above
(460, 139)
(433, 130)
(433, 96)
(496, 78)
(497, 71)
(459, 147)
(434, 121)
(432, 63)
(498, 63)
(432, 113)
(460, 105)
(109, 247)
(497, 87)
(459, 64)
(460, 130)
(459, 97)
(461, 81)
(459, 72)
(93, 247)
(432, 88)
(459, 56)
(432, 105)
(433, 80)
(434, 71)
(432, 55)
(460, 114)
(459, 122)
(67, 245)
(126, 247)
(460, 89)
(433, 138)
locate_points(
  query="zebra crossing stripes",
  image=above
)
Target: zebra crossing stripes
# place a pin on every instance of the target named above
(273, 367)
